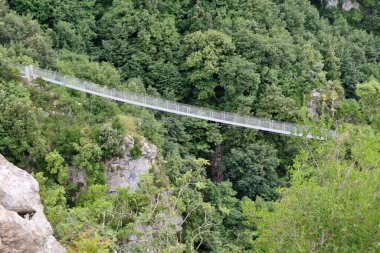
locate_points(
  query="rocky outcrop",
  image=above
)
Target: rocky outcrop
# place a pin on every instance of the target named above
(124, 171)
(23, 225)
(332, 3)
(77, 177)
(312, 104)
(350, 4)
(347, 5)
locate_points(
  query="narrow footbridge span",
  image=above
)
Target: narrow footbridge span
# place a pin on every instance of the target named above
(162, 104)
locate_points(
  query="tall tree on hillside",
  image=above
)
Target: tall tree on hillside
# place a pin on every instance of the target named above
(20, 129)
(252, 170)
(207, 51)
(369, 93)
(333, 203)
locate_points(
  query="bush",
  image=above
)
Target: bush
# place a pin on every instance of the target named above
(136, 150)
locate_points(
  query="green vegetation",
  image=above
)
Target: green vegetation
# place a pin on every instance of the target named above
(213, 188)
(136, 150)
(333, 203)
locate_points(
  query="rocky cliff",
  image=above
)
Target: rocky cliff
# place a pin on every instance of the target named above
(347, 5)
(124, 171)
(23, 225)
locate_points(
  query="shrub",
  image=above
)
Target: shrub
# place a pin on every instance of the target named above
(136, 150)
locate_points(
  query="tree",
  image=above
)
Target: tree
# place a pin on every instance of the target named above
(78, 227)
(55, 166)
(52, 195)
(73, 18)
(29, 38)
(211, 214)
(65, 37)
(353, 60)
(332, 64)
(4, 7)
(207, 51)
(40, 10)
(252, 170)
(240, 83)
(273, 104)
(66, 137)
(40, 49)
(204, 136)
(144, 45)
(369, 93)
(332, 204)
(88, 157)
(167, 79)
(110, 142)
(20, 129)
(101, 109)
(300, 16)
(80, 66)
(25, 26)
(81, 16)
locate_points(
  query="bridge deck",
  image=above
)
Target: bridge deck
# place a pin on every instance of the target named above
(164, 105)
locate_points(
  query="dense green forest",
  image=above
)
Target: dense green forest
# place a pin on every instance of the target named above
(235, 189)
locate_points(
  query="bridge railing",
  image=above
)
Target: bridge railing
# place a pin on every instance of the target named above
(162, 104)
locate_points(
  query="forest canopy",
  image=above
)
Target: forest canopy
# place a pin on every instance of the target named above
(232, 189)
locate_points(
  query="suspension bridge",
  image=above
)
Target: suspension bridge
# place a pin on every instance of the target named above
(234, 119)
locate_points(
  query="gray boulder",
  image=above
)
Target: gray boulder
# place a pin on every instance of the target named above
(347, 5)
(124, 171)
(23, 225)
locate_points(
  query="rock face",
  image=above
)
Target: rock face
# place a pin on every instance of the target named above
(347, 5)
(78, 177)
(332, 3)
(312, 104)
(350, 4)
(124, 171)
(23, 225)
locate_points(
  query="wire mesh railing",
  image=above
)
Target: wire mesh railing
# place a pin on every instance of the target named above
(162, 104)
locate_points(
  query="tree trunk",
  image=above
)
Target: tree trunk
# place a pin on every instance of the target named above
(216, 158)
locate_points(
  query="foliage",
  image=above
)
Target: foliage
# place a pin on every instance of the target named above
(369, 94)
(88, 157)
(207, 51)
(29, 38)
(74, 64)
(252, 171)
(55, 166)
(334, 189)
(65, 37)
(78, 15)
(4, 7)
(20, 130)
(136, 150)
(110, 141)
(66, 138)
(52, 195)
(275, 105)
(261, 58)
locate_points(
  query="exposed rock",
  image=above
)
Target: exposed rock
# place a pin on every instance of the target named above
(23, 225)
(312, 104)
(163, 220)
(347, 5)
(124, 171)
(332, 3)
(350, 4)
(77, 177)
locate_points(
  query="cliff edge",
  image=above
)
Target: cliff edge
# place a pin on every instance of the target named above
(23, 225)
